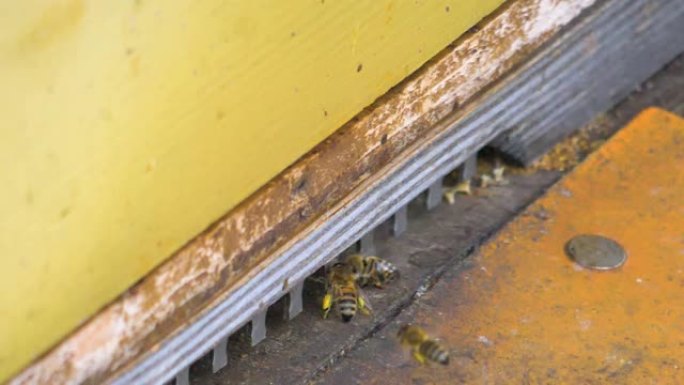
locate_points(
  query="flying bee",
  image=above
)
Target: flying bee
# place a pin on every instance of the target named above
(423, 348)
(344, 294)
(369, 270)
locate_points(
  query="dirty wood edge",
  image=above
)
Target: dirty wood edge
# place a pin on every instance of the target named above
(234, 249)
(609, 53)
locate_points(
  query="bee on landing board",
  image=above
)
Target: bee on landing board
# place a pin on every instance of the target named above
(461, 188)
(369, 270)
(423, 348)
(343, 293)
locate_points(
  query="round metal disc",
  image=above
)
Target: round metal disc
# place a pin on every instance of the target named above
(595, 252)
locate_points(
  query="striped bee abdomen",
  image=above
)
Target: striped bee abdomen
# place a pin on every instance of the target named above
(347, 303)
(434, 352)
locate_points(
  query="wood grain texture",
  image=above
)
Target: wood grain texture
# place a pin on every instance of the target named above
(222, 260)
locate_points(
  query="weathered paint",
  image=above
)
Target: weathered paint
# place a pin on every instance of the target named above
(600, 71)
(229, 253)
(521, 312)
(131, 126)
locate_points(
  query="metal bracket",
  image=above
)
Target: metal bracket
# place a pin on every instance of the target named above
(400, 221)
(183, 377)
(295, 304)
(259, 327)
(468, 169)
(220, 355)
(434, 194)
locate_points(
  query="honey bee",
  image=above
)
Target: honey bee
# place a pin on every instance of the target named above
(369, 270)
(344, 294)
(423, 348)
(498, 173)
(461, 188)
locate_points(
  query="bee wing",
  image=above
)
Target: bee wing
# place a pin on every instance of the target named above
(318, 280)
(364, 304)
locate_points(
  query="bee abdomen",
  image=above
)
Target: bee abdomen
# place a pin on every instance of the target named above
(346, 305)
(433, 351)
(347, 308)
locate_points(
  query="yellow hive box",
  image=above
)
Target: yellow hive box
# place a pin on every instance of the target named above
(129, 126)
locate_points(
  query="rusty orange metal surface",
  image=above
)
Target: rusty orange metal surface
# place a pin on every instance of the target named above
(524, 313)
(530, 315)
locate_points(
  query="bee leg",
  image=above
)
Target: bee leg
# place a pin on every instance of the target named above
(419, 357)
(462, 188)
(318, 280)
(327, 304)
(486, 181)
(498, 172)
(364, 306)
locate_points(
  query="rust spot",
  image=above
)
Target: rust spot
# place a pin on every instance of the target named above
(359, 67)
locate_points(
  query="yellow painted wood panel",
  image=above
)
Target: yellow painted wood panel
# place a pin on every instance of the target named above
(127, 127)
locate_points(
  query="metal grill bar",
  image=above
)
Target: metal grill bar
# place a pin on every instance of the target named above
(220, 355)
